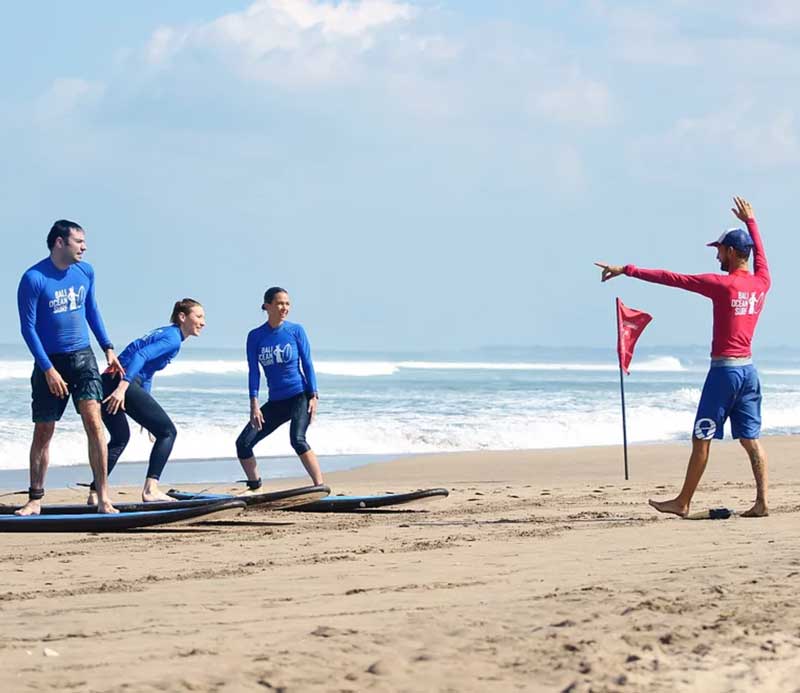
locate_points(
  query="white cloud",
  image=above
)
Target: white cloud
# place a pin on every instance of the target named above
(66, 96)
(575, 100)
(745, 137)
(287, 41)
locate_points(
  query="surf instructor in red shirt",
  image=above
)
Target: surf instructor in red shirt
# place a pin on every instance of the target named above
(732, 389)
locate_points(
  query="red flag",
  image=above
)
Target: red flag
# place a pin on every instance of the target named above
(630, 325)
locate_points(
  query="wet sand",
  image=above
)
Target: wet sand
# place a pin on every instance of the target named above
(543, 571)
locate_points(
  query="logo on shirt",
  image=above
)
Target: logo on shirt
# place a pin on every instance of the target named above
(747, 303)
(270, 355)
(66, 300)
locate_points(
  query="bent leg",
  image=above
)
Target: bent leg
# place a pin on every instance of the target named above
(301, 419)
(275, 414)
(116, 424)
(758, 462)
(694, 472)
(98, 455)
(38, 461)
(147, 412)
(120, 432)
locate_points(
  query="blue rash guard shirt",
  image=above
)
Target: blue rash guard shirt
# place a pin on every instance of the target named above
(145, 356)
(281, 352)
(55, 306)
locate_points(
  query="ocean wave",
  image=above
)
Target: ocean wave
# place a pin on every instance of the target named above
(361, 369)
(386, 433)
(661, 364)
(14, 370)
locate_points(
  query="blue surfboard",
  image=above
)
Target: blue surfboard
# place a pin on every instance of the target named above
(338, 504)
(100, 522)
(267, 500)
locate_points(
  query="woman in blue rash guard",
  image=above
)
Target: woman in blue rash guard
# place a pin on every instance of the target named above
(130, 394)
(282, 350)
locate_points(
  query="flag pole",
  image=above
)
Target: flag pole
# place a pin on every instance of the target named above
(622, 399)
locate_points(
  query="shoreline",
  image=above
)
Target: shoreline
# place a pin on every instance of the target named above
(229, 471)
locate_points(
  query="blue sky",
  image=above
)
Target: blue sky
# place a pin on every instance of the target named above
(420, 175)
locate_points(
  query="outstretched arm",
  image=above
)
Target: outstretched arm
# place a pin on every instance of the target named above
(743, 211)
(703, 284)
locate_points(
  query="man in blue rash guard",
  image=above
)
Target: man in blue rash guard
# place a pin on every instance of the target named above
(129, 393)
(281, 348)
(56, 300)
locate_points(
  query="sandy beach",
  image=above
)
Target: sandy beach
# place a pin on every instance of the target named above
(543, 571)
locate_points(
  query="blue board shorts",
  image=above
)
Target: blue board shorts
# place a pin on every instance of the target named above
(730, 392)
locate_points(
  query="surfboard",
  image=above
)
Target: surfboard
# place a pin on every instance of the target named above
(99, 522)
(338, 504)
(271, 500)
(139, 506)
(268, 500)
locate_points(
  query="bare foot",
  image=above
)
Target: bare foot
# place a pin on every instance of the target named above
(670, 506)
(106, 508)
(758, 510)
(92, 498)
(156, 495)
(151, 492)
(32, 507)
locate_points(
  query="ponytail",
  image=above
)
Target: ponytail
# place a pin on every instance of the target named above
(184, 306)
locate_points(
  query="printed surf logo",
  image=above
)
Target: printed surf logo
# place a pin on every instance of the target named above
(270, 355)
(747, 303)
(704, 429)
(68, 299)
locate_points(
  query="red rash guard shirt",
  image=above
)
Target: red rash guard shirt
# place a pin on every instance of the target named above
(738, 297)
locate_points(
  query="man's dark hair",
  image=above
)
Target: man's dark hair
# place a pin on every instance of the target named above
(61, 229)
(743, 254)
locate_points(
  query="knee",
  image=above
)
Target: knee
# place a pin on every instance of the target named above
(244, 448)
(749, 444)
(166, 432)
(119, 439)
(43, 433)
(299, 443)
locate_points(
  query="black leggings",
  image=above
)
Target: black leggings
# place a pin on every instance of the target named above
(294, 409)
(144, 410)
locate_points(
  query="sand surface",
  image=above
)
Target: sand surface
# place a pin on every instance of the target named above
(543, 571)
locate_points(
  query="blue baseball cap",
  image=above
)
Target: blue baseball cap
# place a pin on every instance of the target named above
(734, 238)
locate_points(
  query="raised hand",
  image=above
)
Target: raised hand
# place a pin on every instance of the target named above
(743, 209)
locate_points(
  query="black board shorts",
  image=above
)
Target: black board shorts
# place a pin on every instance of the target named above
(79, 370)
